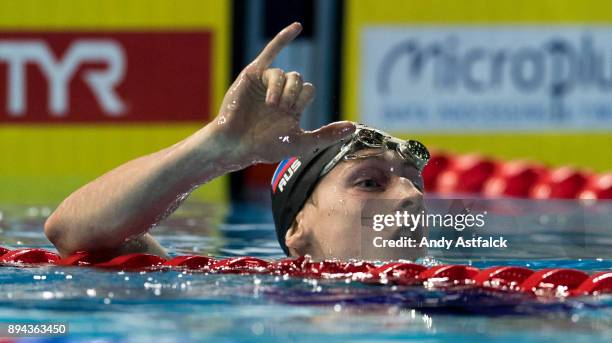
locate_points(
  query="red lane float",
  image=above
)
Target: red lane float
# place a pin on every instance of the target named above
(290, 265)
(599, 283)
(244, 264)
(324, 267)
(436, 165)
(560, 183)
(83, 258)
(505, 278)
(551, 281)
(397, 273)
(541, 283)
(465, 174)
(450, 273)
(513, 179)
(358, 267)
(190, 262)
(133, 261)
(398, 270)
(598, 187)
(474, 174)
(29, 256)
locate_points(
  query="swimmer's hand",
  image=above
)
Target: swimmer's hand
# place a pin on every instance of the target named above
(259, 119)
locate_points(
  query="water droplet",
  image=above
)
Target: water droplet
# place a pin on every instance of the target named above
(232, 106)
(221, 120)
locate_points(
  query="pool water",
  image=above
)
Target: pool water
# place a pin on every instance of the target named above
(174, 306)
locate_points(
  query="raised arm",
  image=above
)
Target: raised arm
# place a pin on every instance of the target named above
(258, 122)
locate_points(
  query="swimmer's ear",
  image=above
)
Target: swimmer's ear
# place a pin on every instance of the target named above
(296, 237)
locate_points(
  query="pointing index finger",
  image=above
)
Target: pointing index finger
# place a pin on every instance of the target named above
(282, 39)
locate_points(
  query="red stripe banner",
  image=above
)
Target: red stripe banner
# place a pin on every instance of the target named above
(105, 76)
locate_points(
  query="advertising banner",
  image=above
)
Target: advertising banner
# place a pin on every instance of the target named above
(105, 77)
(466, 78)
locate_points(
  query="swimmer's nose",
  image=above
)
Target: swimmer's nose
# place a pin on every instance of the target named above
(409, 195)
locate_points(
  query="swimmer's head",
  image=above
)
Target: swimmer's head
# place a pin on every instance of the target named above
(318, 199)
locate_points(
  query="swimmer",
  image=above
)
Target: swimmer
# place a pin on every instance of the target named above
(318, 191)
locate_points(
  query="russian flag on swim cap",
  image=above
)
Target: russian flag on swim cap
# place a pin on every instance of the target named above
(280, 170)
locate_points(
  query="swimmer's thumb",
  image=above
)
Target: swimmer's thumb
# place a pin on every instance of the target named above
(326, 135)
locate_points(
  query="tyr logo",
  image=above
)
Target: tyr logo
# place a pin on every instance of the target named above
(59, 73)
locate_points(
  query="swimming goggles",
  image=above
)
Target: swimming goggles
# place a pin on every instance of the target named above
(368, 138)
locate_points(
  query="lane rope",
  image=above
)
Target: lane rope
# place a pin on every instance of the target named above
(550, 282)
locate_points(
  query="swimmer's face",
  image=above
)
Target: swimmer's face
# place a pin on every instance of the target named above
(331, 224)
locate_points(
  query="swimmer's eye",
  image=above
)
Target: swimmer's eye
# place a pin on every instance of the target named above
(369, 184)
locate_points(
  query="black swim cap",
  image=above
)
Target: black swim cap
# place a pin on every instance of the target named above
(292, 184)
